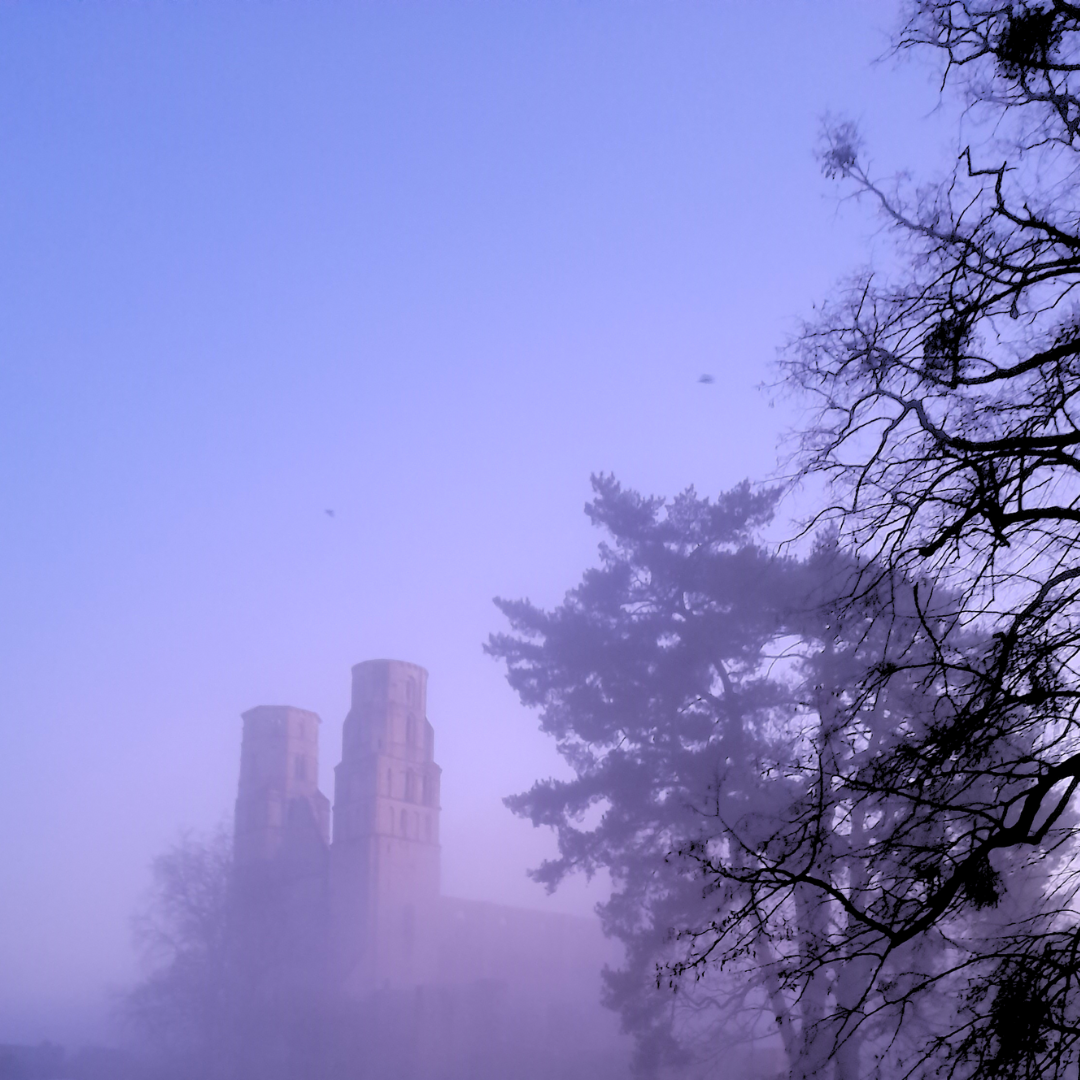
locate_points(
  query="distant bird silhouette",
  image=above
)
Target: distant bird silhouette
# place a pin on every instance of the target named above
(706, 379)
(329, 513)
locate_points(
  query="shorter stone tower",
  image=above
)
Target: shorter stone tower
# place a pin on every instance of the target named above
(281, 851)
(385, 856)
(279, 794)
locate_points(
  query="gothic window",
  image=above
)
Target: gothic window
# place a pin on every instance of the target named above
(410, 787)
(429, 793)
(427, 828)
(404, 824)
(409, 928)
(410, 730)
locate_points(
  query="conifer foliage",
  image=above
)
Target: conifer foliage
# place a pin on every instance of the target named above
(730, 777)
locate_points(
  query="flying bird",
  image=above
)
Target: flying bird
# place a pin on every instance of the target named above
(706, 379)
(329, 513)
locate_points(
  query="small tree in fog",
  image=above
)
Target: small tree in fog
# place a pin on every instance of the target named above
(182, 1011)
(223, 996)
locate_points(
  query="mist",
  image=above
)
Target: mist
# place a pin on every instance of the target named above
(315, 322)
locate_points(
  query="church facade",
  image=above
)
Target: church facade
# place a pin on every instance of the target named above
(350, 896)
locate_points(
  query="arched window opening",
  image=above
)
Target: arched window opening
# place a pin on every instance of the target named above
(410, 730)
(408, 928)
(410, 787)
(404, 824)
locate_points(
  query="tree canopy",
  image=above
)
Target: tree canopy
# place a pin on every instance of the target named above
(839, 790)
(695, 683)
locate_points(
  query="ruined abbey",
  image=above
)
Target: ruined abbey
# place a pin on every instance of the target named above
(344, 904)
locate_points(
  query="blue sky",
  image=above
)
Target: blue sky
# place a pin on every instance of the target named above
(426, 265)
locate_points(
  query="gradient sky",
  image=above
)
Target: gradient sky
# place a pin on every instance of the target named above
(427, 265)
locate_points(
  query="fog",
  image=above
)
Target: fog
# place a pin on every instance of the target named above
(315, 320)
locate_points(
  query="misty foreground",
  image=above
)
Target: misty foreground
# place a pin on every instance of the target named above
(283, 952)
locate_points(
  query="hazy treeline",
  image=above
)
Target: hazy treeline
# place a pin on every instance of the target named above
(228, 996)
(49, 1061)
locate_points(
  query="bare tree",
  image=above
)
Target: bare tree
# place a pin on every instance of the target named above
(946, 429)
(233, 989)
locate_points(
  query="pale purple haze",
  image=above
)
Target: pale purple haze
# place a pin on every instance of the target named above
(425, 265)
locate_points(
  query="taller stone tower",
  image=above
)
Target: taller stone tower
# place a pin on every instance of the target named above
(384, 864)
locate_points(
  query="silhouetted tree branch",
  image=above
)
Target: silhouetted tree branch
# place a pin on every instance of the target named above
(946, 430)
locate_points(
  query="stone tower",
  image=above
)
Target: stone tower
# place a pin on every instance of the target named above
(281, 850)
(384, 869)
(278, 795)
